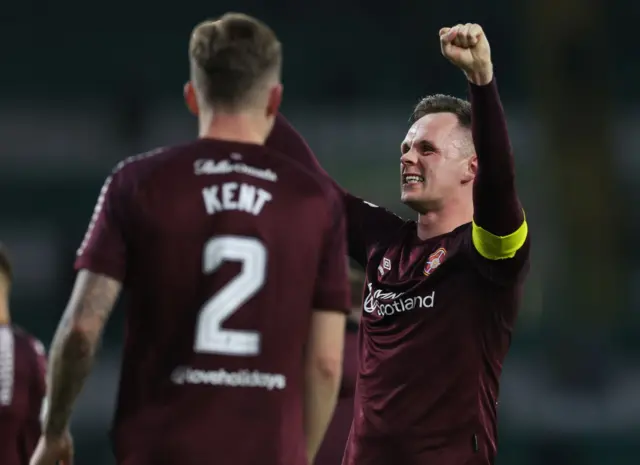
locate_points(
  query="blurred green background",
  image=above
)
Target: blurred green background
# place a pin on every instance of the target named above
(83, 86)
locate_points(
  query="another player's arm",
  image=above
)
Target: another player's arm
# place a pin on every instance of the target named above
(366, 222)
(499, 225)
(323, 374)
(75, 344)
(324, 350)
(101, 265)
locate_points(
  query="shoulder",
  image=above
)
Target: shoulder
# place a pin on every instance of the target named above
(377, 220)
(135, 167)
(30, 342)
(304, 180)
(133, 173)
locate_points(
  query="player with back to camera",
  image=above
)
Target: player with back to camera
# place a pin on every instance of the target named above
(224, 359)
(22, 380)
(442, 292)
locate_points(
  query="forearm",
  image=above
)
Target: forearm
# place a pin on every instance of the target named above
(497, 208)
(320, 401)
(71, 358)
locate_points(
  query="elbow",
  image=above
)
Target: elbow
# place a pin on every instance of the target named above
(326, 369)
(79, 341)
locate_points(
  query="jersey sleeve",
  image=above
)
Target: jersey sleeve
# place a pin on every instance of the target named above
(332, 287)
(499, 233)
(366, 223)
(38, 389)
(104, 249)
(367, 226)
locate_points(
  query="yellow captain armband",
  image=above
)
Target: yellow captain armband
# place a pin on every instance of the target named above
(495, 247)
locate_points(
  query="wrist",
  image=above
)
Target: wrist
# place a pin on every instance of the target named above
(480, 77)
(54, 430)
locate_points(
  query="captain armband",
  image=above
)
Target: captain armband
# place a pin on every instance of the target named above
(495, 247)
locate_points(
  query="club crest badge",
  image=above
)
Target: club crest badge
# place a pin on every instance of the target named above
(434, 261)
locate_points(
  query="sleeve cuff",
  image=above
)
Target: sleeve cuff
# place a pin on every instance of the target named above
(337, 301)
(482, 92)
(99, 265)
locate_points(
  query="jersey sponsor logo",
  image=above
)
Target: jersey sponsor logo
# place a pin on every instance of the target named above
(221, 377)
(435, 260)
(208, 167)
(389, 303)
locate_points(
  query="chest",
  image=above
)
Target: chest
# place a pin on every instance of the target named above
(408, 283)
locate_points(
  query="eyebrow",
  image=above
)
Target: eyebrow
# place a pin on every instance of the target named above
(425, 146)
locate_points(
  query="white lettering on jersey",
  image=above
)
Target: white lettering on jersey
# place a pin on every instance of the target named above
(234, 196)
(7, 366)
(390, 303)
(225, 167)
(220, 377)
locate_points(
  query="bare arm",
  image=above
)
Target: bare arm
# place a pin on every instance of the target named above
(322, 375)
(74, 345)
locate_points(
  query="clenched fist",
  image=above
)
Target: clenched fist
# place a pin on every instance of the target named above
(466, 46)
(53, 451)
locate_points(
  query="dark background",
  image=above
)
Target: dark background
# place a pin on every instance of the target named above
(84, 85)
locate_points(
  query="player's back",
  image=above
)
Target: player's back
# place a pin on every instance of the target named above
(225, 241)
(22, 388)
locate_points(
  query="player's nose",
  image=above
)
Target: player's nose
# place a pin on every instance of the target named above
(408, 158)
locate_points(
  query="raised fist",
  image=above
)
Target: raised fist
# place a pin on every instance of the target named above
(466, 46)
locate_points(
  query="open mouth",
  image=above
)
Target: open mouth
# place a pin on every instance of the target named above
(409, 179)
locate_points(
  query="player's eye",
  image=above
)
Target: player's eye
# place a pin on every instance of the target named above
(427, 148)
(404, 148)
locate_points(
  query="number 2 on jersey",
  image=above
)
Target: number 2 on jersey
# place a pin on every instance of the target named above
(211, 337)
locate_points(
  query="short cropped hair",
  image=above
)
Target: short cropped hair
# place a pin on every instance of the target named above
(5, 264)
(231, 57)
(440, 103)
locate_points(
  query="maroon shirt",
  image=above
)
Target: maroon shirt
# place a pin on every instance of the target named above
(437, 316)
(223, 248)
(22, 390)
(335, 440)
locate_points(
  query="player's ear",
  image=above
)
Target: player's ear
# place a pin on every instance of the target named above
(275, 99)
(190, 98)
(471, 168)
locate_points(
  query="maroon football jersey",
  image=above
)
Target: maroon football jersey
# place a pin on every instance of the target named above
(223, 249)
(436, 326)
(22, 390)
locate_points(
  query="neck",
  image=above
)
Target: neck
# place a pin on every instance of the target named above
(444, 220)
(232, 127)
